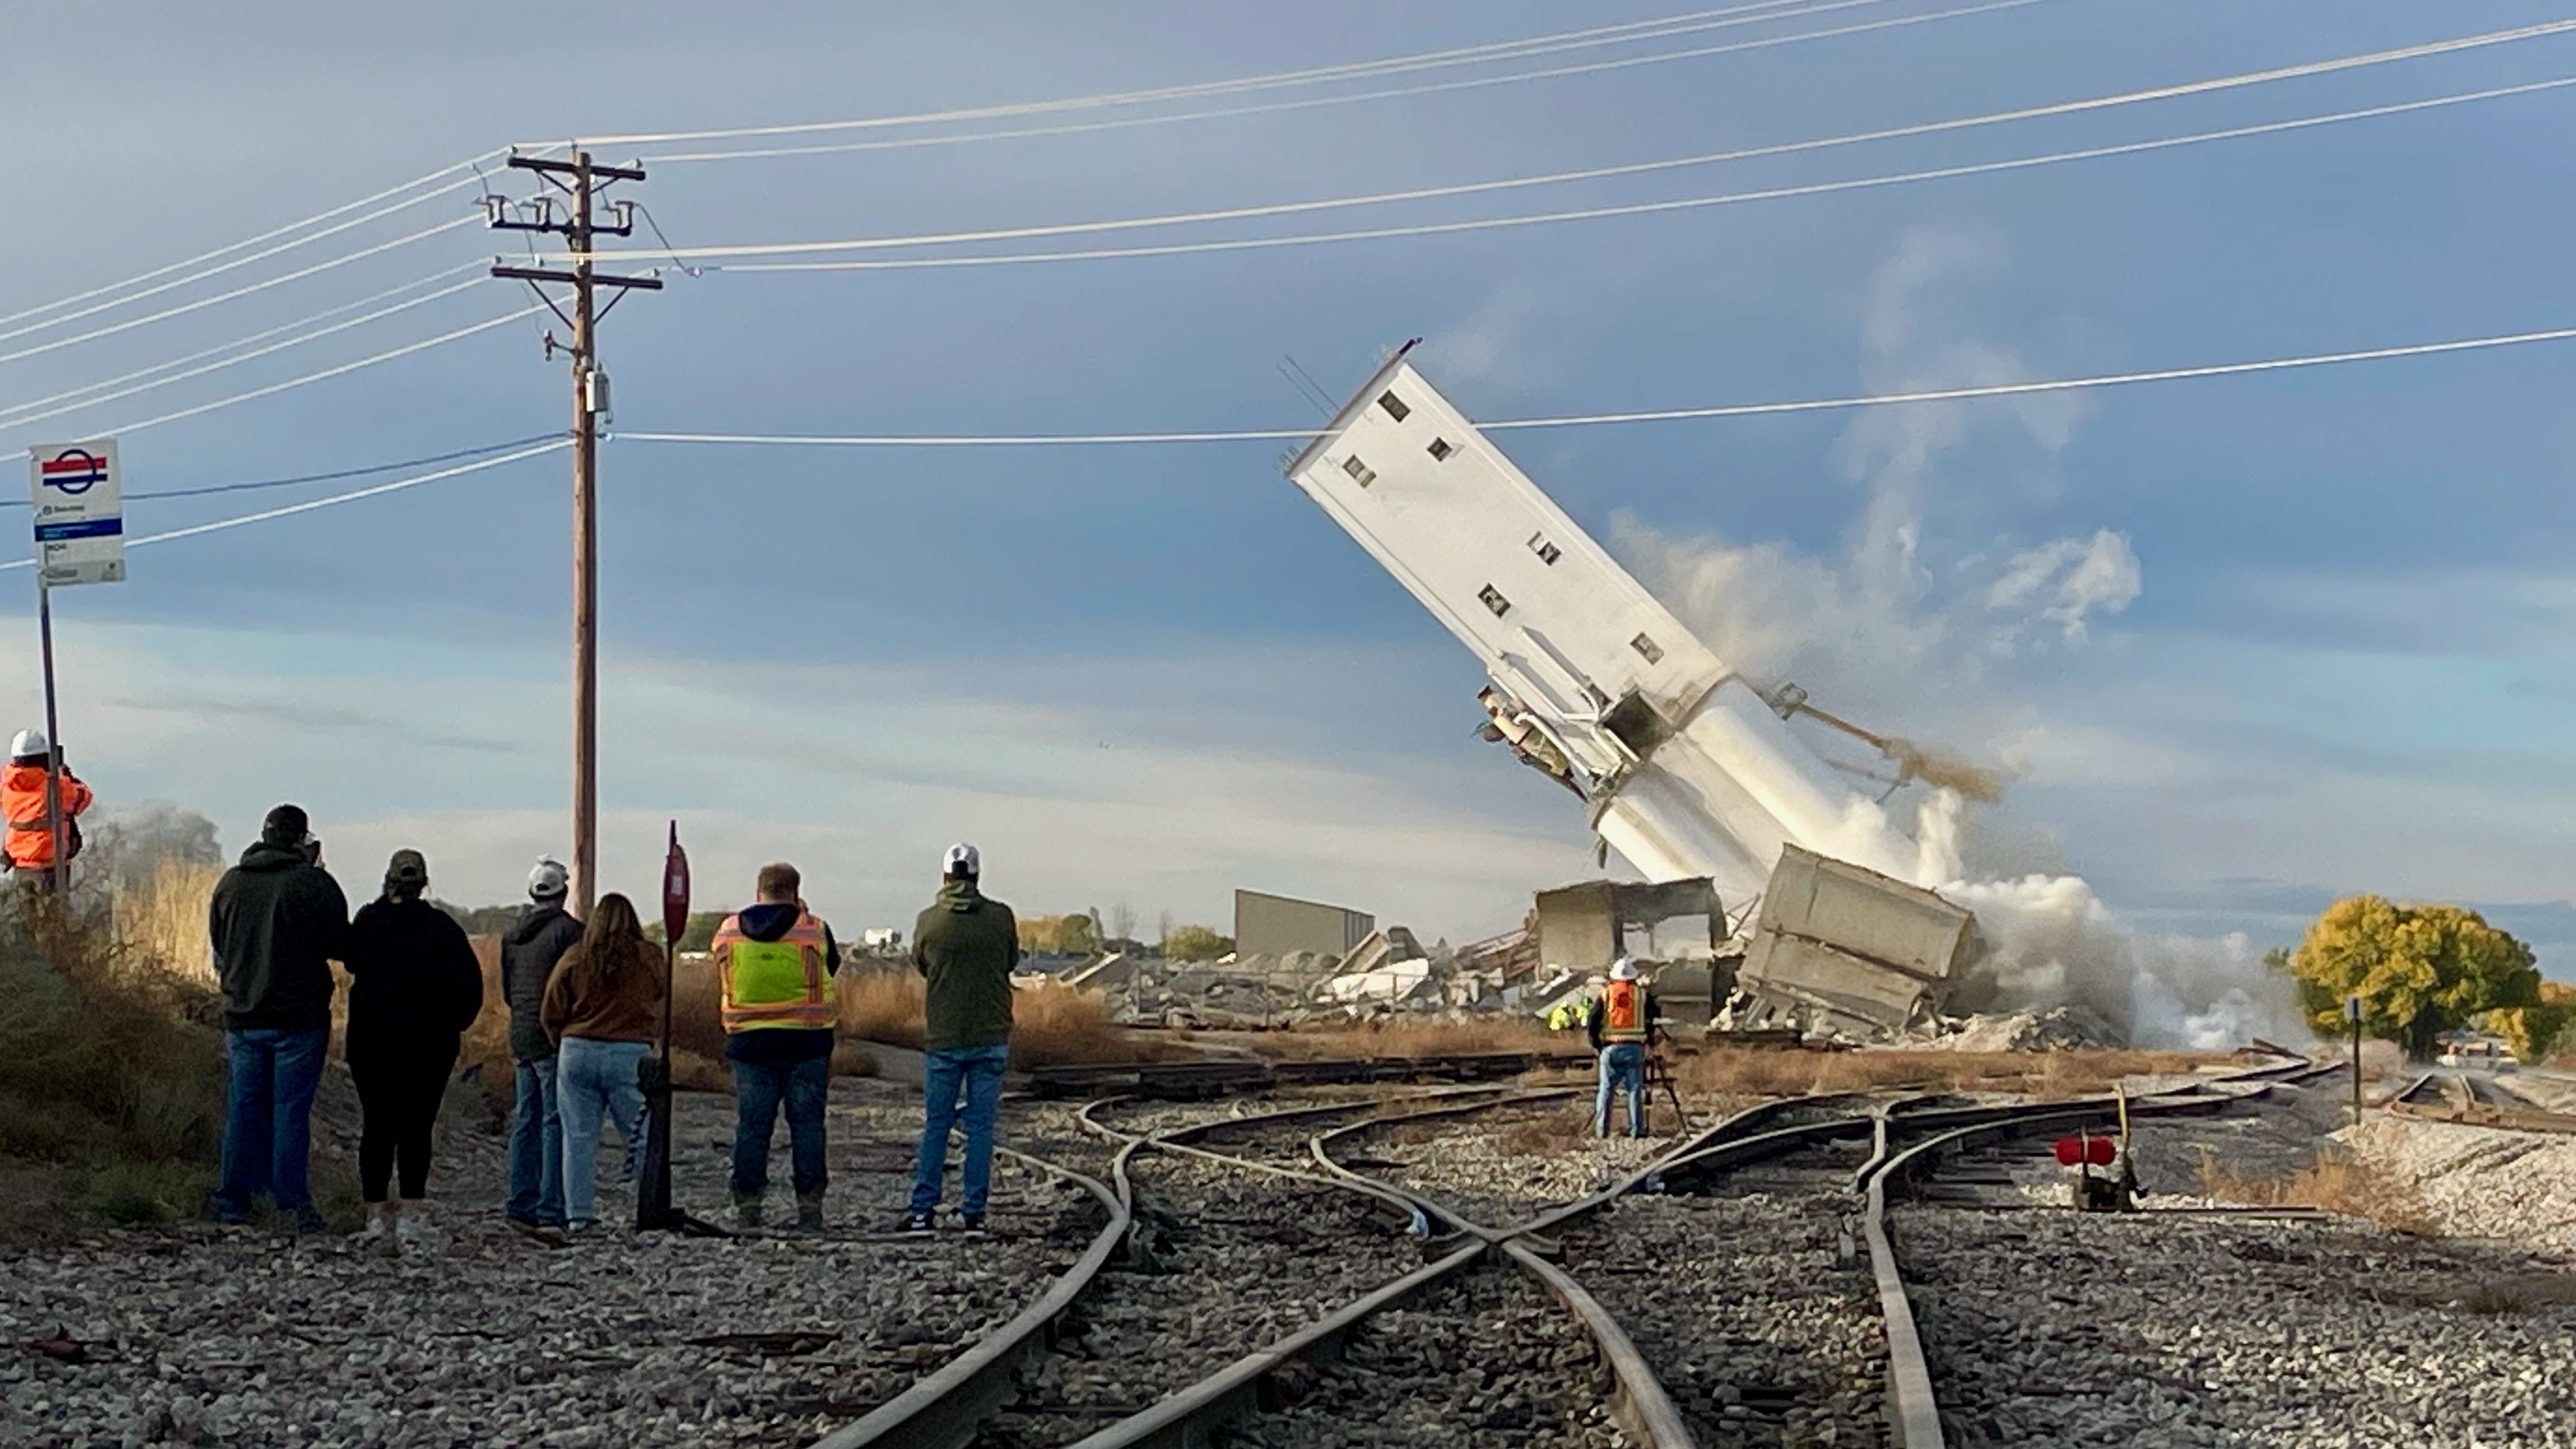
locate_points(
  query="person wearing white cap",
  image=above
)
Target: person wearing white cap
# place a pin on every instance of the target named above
(1620, 1024)
(529, 951)
(965, 946)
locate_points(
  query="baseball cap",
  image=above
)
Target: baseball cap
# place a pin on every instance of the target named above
(408, 867)
(548, 880)
(962, 859)
(286, 825)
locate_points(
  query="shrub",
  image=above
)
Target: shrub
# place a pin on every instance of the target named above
(1195, 943)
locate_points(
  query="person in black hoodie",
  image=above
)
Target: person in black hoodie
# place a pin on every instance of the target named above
(277, 921)
(414, 986)
(529, 951)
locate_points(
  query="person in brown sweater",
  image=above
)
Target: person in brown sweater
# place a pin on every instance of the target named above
(603, 1005)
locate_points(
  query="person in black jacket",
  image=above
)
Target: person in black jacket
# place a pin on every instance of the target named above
(414, 986)
(278, 921)
(529, 951)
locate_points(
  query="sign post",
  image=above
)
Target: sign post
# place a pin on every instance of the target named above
(2352, 1013)
(77, 498)
(653, 1193)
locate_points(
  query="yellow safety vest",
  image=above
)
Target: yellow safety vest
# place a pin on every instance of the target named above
(1624, 1014)
(777, 983)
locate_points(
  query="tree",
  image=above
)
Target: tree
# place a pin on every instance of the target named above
(1195, 943)
(2419, 970)
(1076, 935)
(2533, 1031)
(700, 936)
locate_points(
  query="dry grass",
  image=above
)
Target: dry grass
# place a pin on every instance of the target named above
(883, 1006)
(164, 921)
(111, 1060)
(2335, 1184)
(1051, 1024)
(2047, 1076)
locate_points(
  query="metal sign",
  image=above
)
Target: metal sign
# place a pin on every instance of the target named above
(80, 513)
(675, 891)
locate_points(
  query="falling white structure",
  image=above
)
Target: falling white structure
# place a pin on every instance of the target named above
(1687, 769)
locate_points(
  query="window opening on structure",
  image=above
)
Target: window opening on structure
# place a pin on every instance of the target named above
(1548, 552)
(1394, 406)
(1440, 450)
(1359, 470)
(1653, 651)
(1494, 600)
(1636, 724)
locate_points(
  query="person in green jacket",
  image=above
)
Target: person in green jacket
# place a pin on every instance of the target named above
(965, 946)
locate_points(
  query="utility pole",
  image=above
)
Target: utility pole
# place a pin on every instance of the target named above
(580, 180)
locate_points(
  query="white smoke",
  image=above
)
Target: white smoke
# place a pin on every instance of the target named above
(1917, 621)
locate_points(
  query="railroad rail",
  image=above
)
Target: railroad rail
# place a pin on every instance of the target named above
(2470, 1100)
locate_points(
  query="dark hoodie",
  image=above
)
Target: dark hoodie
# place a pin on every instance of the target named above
(529, 951)
(414, 983)
(278, 921)
(781, 1046)
(966, 945)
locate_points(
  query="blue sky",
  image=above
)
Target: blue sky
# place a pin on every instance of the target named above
(1150, 675)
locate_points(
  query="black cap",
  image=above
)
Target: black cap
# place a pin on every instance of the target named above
(286, 825)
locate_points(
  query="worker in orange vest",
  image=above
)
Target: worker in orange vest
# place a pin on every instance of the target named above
(1621, 1023)
(30, 843)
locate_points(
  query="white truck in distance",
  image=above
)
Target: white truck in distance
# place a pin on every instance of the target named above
(1685, 767)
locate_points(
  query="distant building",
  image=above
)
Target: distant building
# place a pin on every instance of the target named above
(881, 939)
(1268, 925)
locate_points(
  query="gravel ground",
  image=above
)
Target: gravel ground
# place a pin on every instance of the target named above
(1505, 1166)
(1751, 1308)
(2477, 1182)
(2146, 1331)
(1239, 1262)
(200, 1336)
(1490, 1361)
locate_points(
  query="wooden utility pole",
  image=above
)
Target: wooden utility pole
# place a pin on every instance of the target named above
(580, 180)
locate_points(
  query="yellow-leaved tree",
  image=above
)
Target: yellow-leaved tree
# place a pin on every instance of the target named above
(2419, 970)
(2531, 1031)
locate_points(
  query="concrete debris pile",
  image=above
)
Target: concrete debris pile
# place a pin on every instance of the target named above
(2055, 1029)
(1390, 971)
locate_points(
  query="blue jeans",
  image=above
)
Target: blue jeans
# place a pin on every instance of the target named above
(536, 1148)
(1623, 1064)
(595, 1079)
(977, 1071)
(758, 1088)
(268, 1124)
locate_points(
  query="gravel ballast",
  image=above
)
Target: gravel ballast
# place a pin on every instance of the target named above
(200, 1336)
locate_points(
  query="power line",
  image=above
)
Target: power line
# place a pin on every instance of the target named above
(1634, 168)
(334, 500)
(1661, 57)
(263, 484)
(269, 235)
(195, 277)
(1425, 60)
(1647, 208)
(202, 303)
(1723, 410)
(21, 418)
(280, 330)
(329, 372)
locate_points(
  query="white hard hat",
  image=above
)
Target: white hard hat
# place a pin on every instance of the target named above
(962, 859)
(1623, 970)
(549, 880)
(28, 742)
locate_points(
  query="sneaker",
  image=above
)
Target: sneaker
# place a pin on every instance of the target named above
(916, 1224)
(375, 1233)
(972, 1223)
(809, 1213)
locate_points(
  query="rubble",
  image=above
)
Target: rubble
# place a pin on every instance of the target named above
(2054, 1029)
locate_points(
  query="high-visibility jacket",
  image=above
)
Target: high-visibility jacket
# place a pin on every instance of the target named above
(30, 843)
(779, 983)
(1623, 1016)
(1560, 1017)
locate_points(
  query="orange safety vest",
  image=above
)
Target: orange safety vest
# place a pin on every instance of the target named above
(1623, 1013)
(30, 843)
(774, 984)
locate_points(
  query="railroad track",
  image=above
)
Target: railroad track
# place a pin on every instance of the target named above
(1564, 1321)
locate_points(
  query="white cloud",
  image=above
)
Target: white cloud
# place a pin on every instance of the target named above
(2069, 579)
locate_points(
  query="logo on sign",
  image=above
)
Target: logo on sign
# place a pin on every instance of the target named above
(74, 471)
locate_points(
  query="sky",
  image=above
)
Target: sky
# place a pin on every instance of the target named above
(2244, 644)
